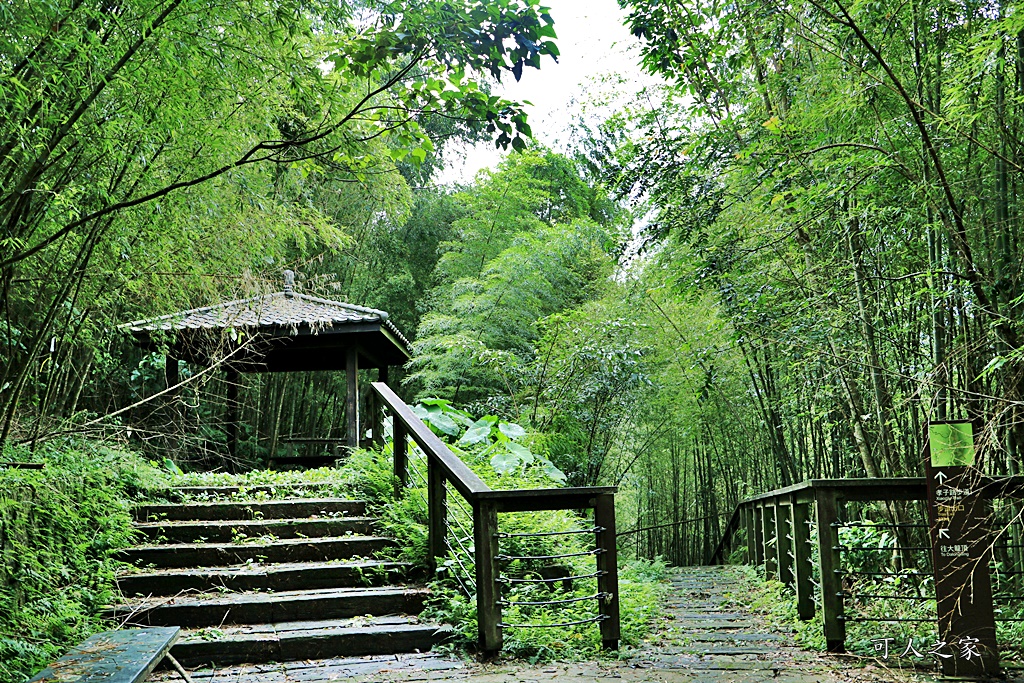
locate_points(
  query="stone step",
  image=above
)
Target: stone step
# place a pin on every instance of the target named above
(265, 509)
(205, 610)
(181, 555)
(230, 530)
(267, 577)
(291, 641)
(226, 492)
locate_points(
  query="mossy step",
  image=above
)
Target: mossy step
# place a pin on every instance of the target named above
(289, 508)
(302, 640)
(295, 489)
(226, 531)
(197, 611)
(181, 555)
(263, 577)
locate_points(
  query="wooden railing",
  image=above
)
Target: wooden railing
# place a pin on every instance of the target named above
(445, 470)
(777, 532)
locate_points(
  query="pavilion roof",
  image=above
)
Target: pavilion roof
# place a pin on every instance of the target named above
(277, 310)
(294, 331)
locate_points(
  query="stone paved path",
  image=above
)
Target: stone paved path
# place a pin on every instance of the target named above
(704, 636)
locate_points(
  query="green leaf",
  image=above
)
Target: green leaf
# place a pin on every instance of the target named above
(443, 423)
(504, 462)
(171, 466)
(512, 430)
(479, 431)
(553, 472)
(521, 452)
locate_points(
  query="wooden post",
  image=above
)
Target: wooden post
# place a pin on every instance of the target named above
(352, 399)
(802, 561)
(783, 540)
(607, 569)
(748, 522)
(169, 406)
(488, 611)
(771, 549)
(758, 534)
(376, 417)
(437, 512)
(171, 375)
(231, 416)
(827, 509)
(400, 454)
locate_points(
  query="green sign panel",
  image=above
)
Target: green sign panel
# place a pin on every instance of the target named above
(952, 444)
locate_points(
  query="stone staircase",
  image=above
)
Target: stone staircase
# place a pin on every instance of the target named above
(270, 580)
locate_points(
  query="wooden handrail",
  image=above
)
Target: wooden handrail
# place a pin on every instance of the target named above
(444, 466)
(784, 513)
(457, 472)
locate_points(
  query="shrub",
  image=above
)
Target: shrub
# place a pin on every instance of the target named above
(59, 529)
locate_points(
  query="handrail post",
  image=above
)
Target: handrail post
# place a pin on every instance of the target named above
(607, 570)
(748, 523)
(437, 512)
(771, 550)
(400, 454)
(488, 611)
(758, 534)
(783, 539)
(829, 562)
(802, 560)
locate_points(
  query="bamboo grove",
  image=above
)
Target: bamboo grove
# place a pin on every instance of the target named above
(778, 264)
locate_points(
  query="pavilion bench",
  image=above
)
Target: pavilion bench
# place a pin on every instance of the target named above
(125, 656)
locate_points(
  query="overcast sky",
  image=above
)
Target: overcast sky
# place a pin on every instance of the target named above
(593, 43)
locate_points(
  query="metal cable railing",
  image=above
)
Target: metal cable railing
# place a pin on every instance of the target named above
(861, 551)
(464, 538)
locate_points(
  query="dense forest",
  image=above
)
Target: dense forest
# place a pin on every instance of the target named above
(778, 264)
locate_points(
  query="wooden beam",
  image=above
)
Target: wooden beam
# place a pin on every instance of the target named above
(488, 610)
(783, 541)
(769, 512)
(352, 398)
(802, 561)
(437, 513)
(829, 563)
(401, 456)
(377, 412)
(171, 375)
(126, 656)
(231, 415)
(608, 569)
(748, 523)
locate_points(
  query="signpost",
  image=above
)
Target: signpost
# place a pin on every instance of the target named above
(961, 552)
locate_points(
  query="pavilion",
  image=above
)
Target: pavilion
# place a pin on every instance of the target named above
(279, 332)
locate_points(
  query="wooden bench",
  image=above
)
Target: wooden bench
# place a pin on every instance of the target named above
(125, 656)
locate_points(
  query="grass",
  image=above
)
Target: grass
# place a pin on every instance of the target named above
(59, 529)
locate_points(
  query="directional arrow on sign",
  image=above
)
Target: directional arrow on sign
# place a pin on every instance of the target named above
(943, 533)
(940, 476)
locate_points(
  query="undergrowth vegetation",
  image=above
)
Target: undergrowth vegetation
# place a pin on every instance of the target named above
(59, 528)
(500, 453)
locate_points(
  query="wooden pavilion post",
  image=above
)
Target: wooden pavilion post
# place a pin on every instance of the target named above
(171, 375)
(231, 415)
(169, 405)
(352, 398)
